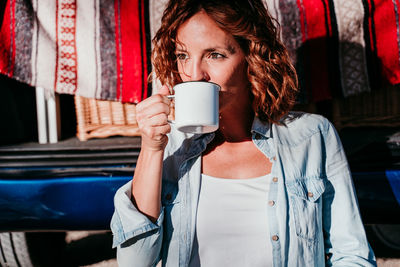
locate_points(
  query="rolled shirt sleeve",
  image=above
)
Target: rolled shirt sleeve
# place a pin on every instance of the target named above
(345, 238)
(137, 238)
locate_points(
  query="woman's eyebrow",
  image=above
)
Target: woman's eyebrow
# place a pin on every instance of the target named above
(228, 48)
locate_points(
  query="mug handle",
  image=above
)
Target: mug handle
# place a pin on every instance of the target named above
(171, 97)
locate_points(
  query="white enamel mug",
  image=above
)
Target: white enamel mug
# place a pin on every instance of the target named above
(196, 106)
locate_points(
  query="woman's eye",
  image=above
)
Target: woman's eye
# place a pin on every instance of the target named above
(215, 55)
(181, 56)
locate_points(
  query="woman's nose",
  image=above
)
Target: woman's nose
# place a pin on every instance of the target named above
(198, 72)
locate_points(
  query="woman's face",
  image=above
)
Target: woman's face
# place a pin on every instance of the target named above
(205, 52)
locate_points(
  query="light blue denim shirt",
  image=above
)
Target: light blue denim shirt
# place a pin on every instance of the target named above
(315, 219)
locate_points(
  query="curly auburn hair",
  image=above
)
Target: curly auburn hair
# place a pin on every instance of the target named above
(273, 78)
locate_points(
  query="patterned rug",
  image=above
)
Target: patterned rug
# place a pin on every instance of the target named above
(100, 48)
(93, 48)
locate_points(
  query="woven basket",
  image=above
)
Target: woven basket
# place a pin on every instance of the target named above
(101, 118)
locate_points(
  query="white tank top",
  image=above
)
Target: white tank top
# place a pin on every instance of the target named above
(231, 225)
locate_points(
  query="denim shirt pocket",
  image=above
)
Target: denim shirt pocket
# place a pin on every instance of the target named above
(306, 205)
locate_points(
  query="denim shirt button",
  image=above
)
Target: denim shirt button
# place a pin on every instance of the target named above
(310, 194)
(275, 237)
(271, 203)
(168, 196)
(275, 179)
(273, 158)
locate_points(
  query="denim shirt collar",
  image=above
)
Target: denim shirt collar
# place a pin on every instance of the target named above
(262, 128)
(200, 141)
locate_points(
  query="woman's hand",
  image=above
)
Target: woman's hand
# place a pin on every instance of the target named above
(152, 117)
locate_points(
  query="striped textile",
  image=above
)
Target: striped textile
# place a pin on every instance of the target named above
(93, 48)
(384, 32)
(100, 48)
(340, 47)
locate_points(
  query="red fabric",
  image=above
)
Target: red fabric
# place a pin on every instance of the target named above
(133, 51)
(7, 33)
(370, 26)
(386, 39)
(118, 70)
(317, 31)
(328, 17)
(145, 74)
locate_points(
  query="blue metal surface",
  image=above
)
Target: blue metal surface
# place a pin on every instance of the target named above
(74, 203)
(394, 180)
(376, 197)
(86, 203)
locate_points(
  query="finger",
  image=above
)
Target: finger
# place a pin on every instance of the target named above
(151, 101)
(157, 120)
(151, 111)
(156, 133)
(164, 90)
(164, 129)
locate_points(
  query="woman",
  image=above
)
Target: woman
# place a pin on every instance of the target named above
(268, 188)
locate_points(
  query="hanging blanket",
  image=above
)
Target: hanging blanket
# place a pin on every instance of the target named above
(340, 47)
(100, 48)
(93, 48)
